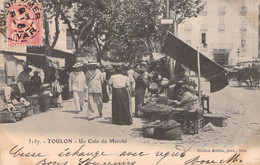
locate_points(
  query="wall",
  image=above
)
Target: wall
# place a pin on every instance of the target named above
(226, 23)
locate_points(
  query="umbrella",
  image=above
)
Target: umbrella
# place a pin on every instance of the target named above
(186, 55)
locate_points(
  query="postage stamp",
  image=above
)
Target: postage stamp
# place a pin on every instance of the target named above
(24, 24)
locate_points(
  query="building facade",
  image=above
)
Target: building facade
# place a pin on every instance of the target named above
(226, 31)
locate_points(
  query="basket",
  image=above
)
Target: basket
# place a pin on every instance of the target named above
(45, 103)
(154, 114)
(10, 116)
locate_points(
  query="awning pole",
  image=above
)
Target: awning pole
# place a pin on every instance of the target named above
(198, 61)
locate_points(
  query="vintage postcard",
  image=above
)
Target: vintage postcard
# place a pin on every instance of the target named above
(129, 82)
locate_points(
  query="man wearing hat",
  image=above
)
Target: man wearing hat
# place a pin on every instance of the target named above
(77, 84)
(94, 80)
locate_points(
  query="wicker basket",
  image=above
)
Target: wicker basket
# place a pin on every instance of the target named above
(155, 114)
(10, 116)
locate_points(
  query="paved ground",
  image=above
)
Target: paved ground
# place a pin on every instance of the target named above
(240, 104)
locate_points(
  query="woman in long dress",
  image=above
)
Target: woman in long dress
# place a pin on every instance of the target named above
(120, 99)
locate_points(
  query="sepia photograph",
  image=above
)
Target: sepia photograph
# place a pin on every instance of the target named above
(129, 82)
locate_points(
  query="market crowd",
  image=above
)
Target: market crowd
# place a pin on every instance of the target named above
(92, 84)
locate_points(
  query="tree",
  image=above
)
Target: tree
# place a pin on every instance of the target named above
(127, 28)
(139, 22)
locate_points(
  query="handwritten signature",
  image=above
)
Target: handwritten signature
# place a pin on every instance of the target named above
(196, 160)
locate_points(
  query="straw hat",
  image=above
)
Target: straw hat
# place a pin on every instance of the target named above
(77, 65)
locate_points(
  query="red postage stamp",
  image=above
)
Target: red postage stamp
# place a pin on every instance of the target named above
(24, 24)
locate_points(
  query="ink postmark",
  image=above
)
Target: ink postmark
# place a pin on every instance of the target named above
(24, 24)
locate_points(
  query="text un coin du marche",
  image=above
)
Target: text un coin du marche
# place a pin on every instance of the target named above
(71, 140)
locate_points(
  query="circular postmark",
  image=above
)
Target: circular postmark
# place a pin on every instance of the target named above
(24, 23)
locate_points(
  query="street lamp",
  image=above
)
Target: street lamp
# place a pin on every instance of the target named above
(238, 52)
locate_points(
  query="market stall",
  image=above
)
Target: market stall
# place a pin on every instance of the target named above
(27, 94)
(166, 111)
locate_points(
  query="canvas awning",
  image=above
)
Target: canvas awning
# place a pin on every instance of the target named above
(69, 57)
(186, 55)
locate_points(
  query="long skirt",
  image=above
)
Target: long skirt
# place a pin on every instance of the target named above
(105, 96)
(95, 105)
(139, 99)
(120, 107)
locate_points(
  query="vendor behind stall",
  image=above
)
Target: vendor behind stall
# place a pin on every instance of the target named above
(189, 100)
(23, 80)
(179, 80)
(36, 81)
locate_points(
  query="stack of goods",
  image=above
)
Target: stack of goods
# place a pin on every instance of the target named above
(14, 111)
(165, 130)
(155, 111)
(33, 99)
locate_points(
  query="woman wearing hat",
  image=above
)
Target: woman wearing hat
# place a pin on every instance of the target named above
(94, 80)
(189, 100)
(77, 84)
(121, 113)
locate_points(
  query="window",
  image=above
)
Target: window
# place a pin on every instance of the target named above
(243, 43)
(221, 28)
(188, 41)
(205, 11)
(187, 27)
(222, 10)
(70, 44)
(243, 27)
(203, 39)
(204, 27)
(243, 10)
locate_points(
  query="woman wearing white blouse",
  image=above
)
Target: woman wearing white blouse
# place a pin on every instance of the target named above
(120, 99)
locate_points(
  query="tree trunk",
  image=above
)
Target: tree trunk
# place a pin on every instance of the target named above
(46, 31)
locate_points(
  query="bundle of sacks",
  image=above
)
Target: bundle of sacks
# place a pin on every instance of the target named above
(163, 130)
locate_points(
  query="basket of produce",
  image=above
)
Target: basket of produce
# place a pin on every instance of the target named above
(156, 111)
(10, 114)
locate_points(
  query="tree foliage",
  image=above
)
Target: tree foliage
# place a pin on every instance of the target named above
(128, 29)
